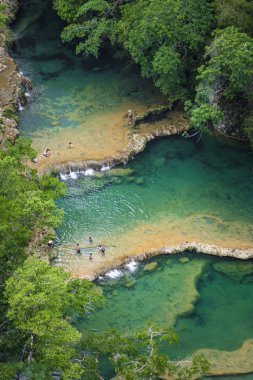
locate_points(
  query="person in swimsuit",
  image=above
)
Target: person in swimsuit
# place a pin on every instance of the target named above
(101, 249)
(78, 248)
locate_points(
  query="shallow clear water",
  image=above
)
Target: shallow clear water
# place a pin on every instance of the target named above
(74, 98)
(220, 319)
(176, 188)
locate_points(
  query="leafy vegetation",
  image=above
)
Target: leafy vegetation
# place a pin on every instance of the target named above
(39, 303)
(139, 356)
(199, 53)
(167, 40)
(3, 16)
(224, 92)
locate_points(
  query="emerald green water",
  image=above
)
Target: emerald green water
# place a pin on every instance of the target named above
(176, 190)
(210, 183)
(74, 98)
(221, 317)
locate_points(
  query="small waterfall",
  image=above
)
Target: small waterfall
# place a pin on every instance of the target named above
(63, 177)
(20, 107)
(73, 175)
(115, 273)
(105, 168)
(89, 172)
(132, 266)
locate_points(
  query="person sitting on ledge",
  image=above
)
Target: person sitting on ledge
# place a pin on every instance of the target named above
(46, 153)
(50, 243)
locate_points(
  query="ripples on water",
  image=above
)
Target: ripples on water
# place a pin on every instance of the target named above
(173, 179)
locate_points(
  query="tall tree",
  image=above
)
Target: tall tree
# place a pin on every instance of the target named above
(224, 93)
(165, 37)
(39, 330)
(237, 13)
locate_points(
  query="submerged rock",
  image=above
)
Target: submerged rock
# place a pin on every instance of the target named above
(234, 270)
(184, 260)
(130, 283)
(121, 172)
(55, 123)
(151, 266)
(159, 161)
(139, 181)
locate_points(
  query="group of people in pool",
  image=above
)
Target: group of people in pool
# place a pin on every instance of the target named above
(101, 249)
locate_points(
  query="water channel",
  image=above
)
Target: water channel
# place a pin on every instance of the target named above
(176, 190)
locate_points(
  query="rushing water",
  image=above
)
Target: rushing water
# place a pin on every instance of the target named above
(177, 190)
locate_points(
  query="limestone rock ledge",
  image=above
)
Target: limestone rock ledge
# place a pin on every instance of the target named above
(10, 80)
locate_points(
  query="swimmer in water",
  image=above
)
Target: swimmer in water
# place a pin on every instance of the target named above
(90, 240)
(78, 248)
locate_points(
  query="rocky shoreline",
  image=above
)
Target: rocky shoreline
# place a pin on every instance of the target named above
(206, 249)
(12, 83)
(172, 123)
(10, 80)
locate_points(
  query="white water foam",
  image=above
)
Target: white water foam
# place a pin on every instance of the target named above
(20, 107)
(27, 94)
(132, 266)
(63, 177)
(115, 273)
(73, 175)
(89, 172)
(105, 168)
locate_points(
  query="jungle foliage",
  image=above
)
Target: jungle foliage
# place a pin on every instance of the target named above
(38, 302)
(174, 43)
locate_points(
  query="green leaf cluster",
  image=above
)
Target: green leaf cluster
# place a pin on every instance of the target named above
(3, 17)
(139, 356)
(224, 93)
(26, 204)
(38, 300)
(237, 13)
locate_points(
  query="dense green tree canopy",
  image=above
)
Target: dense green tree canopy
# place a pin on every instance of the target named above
(39, 298)
(163, 37)
(27, 204)
(237, 13)
(224, 93)
(166, 38)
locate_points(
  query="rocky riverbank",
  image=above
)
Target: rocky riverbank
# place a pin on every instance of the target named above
(10, 80)
(12, 83)
(109, 146)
